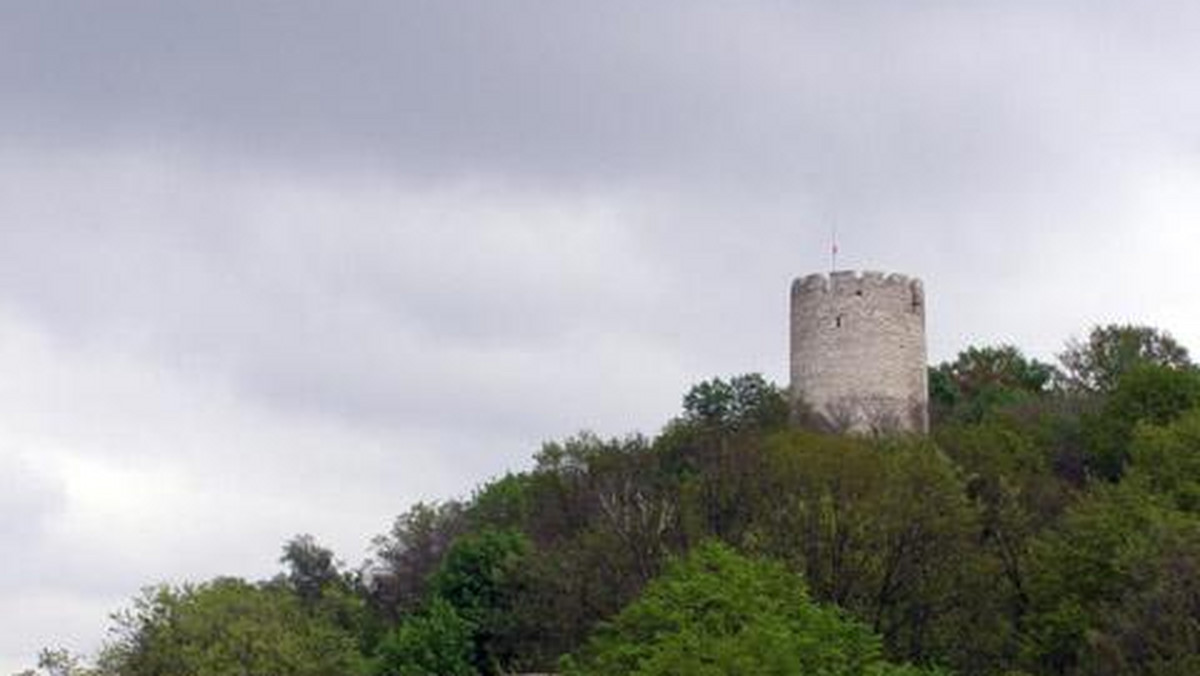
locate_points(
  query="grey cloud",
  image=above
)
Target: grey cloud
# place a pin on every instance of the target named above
(734, 135)
(424, 306)
(419, 85)
(943, 122)
(29, 498)
(867, 100)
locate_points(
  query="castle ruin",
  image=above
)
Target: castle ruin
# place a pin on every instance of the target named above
(858, 357)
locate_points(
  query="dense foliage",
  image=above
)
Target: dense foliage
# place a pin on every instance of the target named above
(1048, 526)
(229, 627)
(715, 612)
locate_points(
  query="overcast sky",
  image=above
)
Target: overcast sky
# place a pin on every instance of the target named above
(280, 267)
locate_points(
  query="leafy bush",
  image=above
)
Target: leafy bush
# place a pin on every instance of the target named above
(716, 612)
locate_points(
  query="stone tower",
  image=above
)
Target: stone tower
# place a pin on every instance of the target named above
(858, 352)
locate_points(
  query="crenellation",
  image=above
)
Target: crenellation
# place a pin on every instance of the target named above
(850, 281)
(812, 282)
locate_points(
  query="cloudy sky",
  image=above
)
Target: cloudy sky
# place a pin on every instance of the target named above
(280, 267)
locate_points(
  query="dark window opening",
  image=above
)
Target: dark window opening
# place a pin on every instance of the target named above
(838, 322)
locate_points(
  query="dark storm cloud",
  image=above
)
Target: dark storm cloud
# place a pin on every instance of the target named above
(427, 87)
(858, 102)
(935, 121)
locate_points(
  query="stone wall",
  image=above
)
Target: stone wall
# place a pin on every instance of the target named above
(858, 356)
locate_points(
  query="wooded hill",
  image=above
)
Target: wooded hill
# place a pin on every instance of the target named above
(1050, 524)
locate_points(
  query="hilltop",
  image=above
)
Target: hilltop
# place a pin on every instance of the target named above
(1048, 524)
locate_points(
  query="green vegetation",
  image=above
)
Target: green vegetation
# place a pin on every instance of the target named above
(436, 640)
(230, 627)
(716, 612)
(1048, 526)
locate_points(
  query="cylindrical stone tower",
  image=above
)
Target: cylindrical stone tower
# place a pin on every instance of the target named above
(858, 352)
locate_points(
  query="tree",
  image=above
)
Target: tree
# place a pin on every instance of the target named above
(983, 379)
(1097, 364)
(882, 528)
(505, 503)
(745, 402)
(716, 612)
(1165, 460)
(1145, 394)
(711, 451)
(479, 579)
(434, 642)
(405, 558)
(311, 568)
(227, 627)
(617, 485)
(60, 662)
(1007, 470)
(1116, 589)
(602, 515)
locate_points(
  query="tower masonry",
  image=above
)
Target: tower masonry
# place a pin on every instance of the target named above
(858, 356)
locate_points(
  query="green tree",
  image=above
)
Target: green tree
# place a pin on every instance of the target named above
(405, 558)
(1008, 478)
(620, 486)
(310, 567)
(505, 503)
(1116, 589)
(326, 591)
(227, 627)
(1097, 364)
(743, 402)
(480, 578)
(1165, 460)
(883, 529)
(1146, 394)
(712, 451)
(60, 662)
(434, 642)
(602, 514)
(983, 379)
(716, 612)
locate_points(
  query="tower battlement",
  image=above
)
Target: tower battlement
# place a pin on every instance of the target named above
(850, 281)
(858, 356)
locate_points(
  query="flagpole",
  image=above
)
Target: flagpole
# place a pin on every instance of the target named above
(833, 250)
